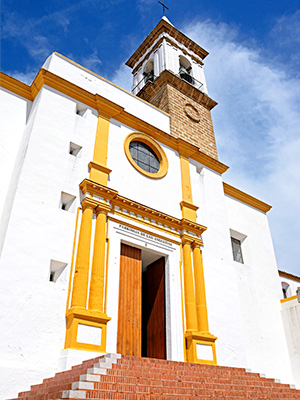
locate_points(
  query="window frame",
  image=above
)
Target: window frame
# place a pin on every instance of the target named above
(155, 147)
(234, 254)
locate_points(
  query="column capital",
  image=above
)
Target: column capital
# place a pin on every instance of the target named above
(89, 202)
(197, 243)
(103, 208)
(187, 239)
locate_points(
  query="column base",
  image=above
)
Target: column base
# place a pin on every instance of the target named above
(200, 348)
(86, 330)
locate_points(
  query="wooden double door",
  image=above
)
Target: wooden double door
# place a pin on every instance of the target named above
(141, 319)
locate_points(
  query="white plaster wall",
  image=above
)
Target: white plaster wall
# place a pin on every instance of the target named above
(291, 322)
(259, 293)
(32, 309)
(161, 194)
(11, 135)
(93, 83)
(224, 313)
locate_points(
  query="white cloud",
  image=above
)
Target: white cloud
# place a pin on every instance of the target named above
(123, 77)
(92, 61)
(257, 128)
(26, 77)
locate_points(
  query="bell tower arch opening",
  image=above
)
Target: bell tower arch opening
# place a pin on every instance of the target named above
(185, 70)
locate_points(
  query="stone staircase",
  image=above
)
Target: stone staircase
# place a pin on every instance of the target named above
(131, 378)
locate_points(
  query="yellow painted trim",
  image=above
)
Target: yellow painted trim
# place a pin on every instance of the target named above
(81, 275)
(201, 306)
(194, 338)
(106, 269)
(288, 299)
(167, 221)
(13, 85)
(76, 316)
(246, 198)
(98, 170)
(96, 294)
(160, 154)
(45, 77)
(189, 290)
(187, 207)
(182, 299)
(72, 261)
(106, 80)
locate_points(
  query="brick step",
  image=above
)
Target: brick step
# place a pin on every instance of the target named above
(169, 381)
(135, 378)
(146, 388)
(161, 374)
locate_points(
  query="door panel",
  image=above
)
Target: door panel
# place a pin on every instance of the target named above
(156, 321)
(130, 299)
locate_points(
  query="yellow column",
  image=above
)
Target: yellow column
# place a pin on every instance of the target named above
(189, 293)
(98, 266)
(200, 289)
(81, 274)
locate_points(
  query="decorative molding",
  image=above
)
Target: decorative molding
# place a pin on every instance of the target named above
(148, 215)
(246, 198)
(13, 85)
(192, 112)
(45, 77)
(160, 28)
(99, 167)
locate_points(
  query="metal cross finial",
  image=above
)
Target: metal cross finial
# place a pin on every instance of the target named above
(164, 7)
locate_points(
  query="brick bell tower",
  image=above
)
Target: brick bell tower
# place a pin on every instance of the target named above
(168, 72)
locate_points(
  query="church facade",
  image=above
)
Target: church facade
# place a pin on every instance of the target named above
(118, 232)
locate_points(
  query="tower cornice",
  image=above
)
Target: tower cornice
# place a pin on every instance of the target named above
(164, 27)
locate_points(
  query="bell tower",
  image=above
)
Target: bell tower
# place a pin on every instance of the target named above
(168, 72)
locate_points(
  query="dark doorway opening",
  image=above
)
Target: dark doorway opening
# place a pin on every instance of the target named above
(142, 316)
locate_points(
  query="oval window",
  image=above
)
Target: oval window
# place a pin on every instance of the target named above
(146, 155)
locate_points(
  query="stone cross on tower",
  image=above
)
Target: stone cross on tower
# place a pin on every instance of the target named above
(164, 6)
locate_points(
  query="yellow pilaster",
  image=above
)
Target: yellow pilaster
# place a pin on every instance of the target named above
(189, 292)
(81, 274)
(188, 209)
(201, 307)
(98, 265)
(98, 167)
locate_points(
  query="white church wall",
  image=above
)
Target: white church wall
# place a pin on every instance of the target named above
(259, 292)
(11, 136)
(32, 308)
(155, 193)
(291, 322)
(224, 312)
(94, 83)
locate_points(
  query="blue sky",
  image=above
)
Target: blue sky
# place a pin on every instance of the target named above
(252, 72)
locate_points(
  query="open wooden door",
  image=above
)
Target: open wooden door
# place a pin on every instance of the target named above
(130, 302)
(156, 320)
